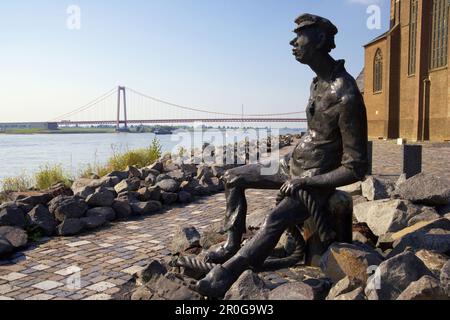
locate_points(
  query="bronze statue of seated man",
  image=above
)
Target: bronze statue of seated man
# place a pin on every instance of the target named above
(333, 153)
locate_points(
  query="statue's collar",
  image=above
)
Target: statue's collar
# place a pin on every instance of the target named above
(338, 68)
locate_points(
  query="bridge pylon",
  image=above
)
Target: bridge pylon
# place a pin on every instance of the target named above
(121, 97)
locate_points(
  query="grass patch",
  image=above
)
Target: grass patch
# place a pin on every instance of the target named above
(16, 184)
(121, 160)
(49, 175)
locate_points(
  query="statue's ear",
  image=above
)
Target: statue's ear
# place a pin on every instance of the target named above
(322, 39)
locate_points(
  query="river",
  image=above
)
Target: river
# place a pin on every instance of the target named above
(25, 154)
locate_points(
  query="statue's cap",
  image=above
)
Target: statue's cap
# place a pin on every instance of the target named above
(306, 20)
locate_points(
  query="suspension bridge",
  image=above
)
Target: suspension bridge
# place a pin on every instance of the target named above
(122, 107)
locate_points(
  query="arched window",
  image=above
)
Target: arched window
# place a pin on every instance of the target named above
(378, 72)
(439, 39)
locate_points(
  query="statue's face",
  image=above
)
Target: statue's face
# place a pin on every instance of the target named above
(305, 45)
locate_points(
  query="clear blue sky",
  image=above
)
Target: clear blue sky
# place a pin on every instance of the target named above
(213, 54)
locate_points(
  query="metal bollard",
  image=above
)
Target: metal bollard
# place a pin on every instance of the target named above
(412, 160)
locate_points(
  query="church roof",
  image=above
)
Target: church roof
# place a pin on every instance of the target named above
(360, 81)
(384, 35)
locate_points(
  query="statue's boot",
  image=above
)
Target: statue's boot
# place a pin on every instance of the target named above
(220, 279)
(227, 251)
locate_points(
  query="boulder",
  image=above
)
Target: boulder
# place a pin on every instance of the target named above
(433, 260)
(375, 189)
(144, 194)
(93, 221)
(426, 288)
(445, 278)
(347, 289)
(355, 261)
(11, 215)
(170, 166)
(249, 286)
(194, 188)
(133, 172)
(129, 196)
(177, 175)
(158, 166)
(122, 209)
(101, 198)
(169, 198)
(70, 227)
(401, 179)
(426, 214)
(169, 185)
(153, 270)
(184, 239)
(292, 291)
(354, 189)
(24, 207)
(167, 287)
(16, 237)
(394, 275)
(143, 208)
(162, 176)
(155, 193)
(108, 213)
(150, 179)
(384, 216)
(59, 189)
(120, 175)
(184, 197)
(41, 218)
(31, 198)
(64, 207)
(147, 171)
(425, 189)
(433, 236)
(131, 184)
(82, 187)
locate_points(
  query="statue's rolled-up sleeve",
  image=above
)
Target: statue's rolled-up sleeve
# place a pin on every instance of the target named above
(353, 128)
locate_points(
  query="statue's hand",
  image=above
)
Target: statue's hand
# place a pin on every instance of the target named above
(292, 187)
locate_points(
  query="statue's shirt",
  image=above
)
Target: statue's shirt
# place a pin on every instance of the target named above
(337, 128)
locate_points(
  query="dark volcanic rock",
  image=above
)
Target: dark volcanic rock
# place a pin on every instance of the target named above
(169, 185)
(445, 278)
(93, 221)
(184, 197)
(70, 227)
(108, 213)
(122, 209)
(32, 198)
(101, 198)
(64, 207)
(12, 215)
(169, 198)
(142, 208)
(41, 218)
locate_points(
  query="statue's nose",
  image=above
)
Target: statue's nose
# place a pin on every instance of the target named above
(294, 42)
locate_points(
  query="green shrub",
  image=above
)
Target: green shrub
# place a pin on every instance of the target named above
(49, 175)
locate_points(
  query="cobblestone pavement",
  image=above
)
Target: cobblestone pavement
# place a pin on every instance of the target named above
(106, 259)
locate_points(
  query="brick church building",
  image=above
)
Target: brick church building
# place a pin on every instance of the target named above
(406, 74)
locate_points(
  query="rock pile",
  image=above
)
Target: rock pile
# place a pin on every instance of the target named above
(93, 203)
(401, 251)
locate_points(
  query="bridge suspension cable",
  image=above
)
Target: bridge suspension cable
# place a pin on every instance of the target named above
(87, 106)
(214, 112)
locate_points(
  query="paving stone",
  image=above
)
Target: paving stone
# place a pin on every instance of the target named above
(48, 285)
(101, 286)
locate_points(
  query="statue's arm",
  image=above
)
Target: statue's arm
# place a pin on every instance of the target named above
(353, 129)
